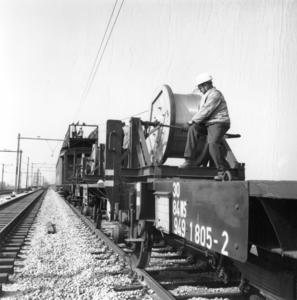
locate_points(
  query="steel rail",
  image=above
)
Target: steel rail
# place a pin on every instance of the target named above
(9, 202)
(3, 192)
(103, 236)
(16, 228)
(154, 285)
(142, 274)
(6, 191)
(145, 279)
(8, 227)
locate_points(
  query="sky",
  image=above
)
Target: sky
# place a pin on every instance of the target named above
(49, 48)
(46, 55)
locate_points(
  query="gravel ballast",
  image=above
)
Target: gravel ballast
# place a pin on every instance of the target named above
(72, 262)
(61, 265)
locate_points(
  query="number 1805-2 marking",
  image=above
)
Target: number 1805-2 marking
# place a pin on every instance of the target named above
(199, 234)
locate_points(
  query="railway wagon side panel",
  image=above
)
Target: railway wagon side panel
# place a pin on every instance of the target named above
(59, 172)
(211, 214)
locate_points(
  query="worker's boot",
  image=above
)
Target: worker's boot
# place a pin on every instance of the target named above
(219, 177)
(188, 164)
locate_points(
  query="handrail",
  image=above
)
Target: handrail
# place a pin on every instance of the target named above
(109, 141)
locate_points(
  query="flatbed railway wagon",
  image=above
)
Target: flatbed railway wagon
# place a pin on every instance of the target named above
(251, 225)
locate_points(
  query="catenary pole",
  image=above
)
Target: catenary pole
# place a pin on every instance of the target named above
(31, 174)
(20, 170)
(27, 173)
(17, 165)
(2, 176)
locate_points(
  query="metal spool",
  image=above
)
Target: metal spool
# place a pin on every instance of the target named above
(172, 110)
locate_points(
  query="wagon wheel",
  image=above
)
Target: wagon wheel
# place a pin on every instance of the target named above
(98, 216)
(99, 220)
(82, 208)
(85, 210)
(142, 251)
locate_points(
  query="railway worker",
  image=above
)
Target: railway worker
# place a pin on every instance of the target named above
(212, 119)
(126, 136)
(74, 133)
(80, 133)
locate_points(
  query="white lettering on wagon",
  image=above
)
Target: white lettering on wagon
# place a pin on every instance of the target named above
(198, 233)
(180, 213)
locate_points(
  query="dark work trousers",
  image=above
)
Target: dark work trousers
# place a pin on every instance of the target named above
(215, 134)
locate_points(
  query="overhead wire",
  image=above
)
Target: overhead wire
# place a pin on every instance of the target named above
(135, 115)
(89, 84)
(128, 117)
(52, 148)
(104, 50)
(95, 60)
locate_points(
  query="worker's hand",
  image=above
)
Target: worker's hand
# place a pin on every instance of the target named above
(145, 124)
(185, 127)
(156, 123)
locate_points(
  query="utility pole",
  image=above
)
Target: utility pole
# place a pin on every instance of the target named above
(20, 170)
(17, 165)
(37, 177)
(2, 176)
(43, 167)
(27, 173)
(18, 150)
(31, 174)
(3, 166)
(16, 168)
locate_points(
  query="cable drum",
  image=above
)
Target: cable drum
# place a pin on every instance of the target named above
(171, 110)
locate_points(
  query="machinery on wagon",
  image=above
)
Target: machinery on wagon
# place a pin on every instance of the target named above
(80, 161)
(250, 223)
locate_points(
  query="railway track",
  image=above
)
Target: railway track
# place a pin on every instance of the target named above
(16, 219)
(6, 192)
(171, 274)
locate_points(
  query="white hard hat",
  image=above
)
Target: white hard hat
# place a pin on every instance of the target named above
(203, 77)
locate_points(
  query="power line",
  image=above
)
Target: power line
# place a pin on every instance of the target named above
(130, 116)
(96, 58)
(82, 98)
(51, 147)
(87, 88)
(103, 51)
(135, 115)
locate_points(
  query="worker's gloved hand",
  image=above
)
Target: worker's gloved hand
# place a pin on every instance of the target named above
(156, 123)
(185, 127)
(145, 124)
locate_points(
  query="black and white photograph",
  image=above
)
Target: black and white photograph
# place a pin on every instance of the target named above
(148, 149)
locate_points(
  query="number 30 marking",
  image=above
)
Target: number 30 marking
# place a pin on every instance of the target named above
(176, 189)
